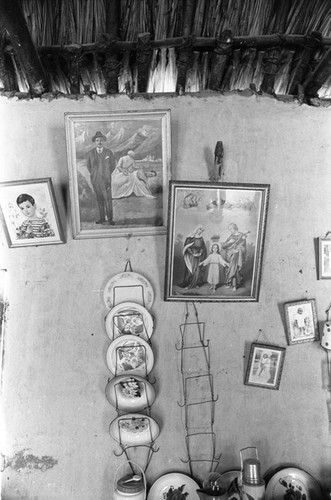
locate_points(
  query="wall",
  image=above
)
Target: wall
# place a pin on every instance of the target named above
(56, 416)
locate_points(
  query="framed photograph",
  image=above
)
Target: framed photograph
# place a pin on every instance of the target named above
(265, 365)
(301, 321)
(119, 170)
(29, 213)
(215, 241)
(324, 258)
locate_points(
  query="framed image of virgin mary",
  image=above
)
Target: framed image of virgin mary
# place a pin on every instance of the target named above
(215, 241)
(119, 169)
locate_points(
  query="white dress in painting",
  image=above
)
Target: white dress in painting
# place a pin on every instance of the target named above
(126, 180)
(214, 261)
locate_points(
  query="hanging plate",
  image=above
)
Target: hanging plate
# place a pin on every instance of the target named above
(293, 480)
(128, 287)
(129, 354)
(130, 393)
(134, 429)
(174, 482)
(129, 318)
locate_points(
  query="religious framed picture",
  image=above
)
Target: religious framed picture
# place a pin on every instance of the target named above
(215, 241)
(29, 213)
(119, 170)
(324, 258)
(301, 321)
(265, 365)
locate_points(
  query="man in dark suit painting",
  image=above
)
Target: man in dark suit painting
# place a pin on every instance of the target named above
(101, 164)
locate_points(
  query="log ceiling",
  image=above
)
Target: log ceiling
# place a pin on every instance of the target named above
(99, 56)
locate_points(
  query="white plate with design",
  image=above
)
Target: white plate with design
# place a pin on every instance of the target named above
(174, 482)
(130, 393)
(295, 481)
(130, 355)
(134, 429)
(129, 318)
(128, 287)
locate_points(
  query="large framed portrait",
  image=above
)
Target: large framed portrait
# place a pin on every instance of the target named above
(215, 241)
(265, 365)
(119, 170)
(324, 258)
(29, 213)
(301, 321)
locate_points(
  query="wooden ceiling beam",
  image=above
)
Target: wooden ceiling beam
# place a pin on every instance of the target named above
(319, 76)
(12, 20)
(112, 64)
(184, 58)
(300, 71)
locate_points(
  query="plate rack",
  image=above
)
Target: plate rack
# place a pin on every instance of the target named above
(198, 397)
(129, 450)
(133, 452)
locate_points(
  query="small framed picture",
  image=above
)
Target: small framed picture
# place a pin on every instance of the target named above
(29, 213)
(265, 365)
(215, 241)
(324, 258)
(301, 321)
(119, 169)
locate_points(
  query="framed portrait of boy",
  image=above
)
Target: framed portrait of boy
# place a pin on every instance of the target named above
(119, 169)
(265, 366)
(324, 258)
(215, 241)
(29, 213)
(301, 321)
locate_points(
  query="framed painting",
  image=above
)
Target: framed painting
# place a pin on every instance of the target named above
(265, 366)
(29, 213)
(324, 258)
(301, 321)
(215, 241)
(119, 170)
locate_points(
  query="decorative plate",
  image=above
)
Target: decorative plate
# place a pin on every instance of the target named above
(128, 355)
(173, 482)
(129, 318)
(134, 429)
(295, 481)
(128, 287)
(130, 393)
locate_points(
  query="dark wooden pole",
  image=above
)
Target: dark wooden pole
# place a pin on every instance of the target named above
(184, 58)
(299, 72)
(271, 63)
(144, 57)
(112, 64)
(7, 70)
(220, 59)
(74, 59)
(13, 21)
(321, 73)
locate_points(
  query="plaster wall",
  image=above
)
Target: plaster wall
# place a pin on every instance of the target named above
(55, 415)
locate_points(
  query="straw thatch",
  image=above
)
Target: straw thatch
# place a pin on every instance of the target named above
(98, 46)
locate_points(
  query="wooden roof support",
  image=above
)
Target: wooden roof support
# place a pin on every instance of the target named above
(271, 63)
(185, 53)
(13, 21)
(7, 70)
(144, 57)
(220, 59)
(319, 76)
(112, 64)
(74, 59)
(299, 72)
(206, 43)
